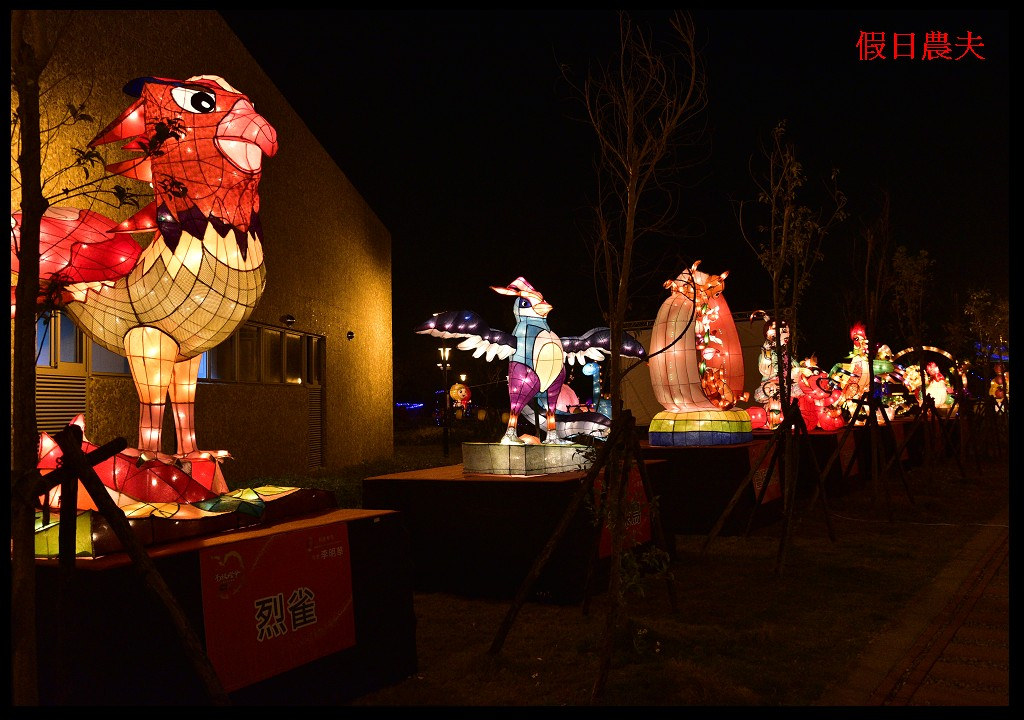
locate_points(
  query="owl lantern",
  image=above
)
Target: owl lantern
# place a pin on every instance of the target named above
(698, 378)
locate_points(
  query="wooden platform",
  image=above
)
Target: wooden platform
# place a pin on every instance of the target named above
(314, 607)
(479, 534)
(700, 481)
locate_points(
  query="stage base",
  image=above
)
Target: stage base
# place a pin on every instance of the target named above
(698, 483)
(121, 648)
(499, 459)
(479, 535)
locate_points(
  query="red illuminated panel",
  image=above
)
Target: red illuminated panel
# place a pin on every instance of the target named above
(274, 603)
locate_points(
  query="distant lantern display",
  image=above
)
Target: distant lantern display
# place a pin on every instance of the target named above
(536, 355)
(696, 365)
(768, 393)
(460, 395)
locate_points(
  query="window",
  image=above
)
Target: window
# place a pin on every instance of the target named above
(44, 357)
(293, 358)
(219, 363)
(60, 344)
(70, 340)
(104, 361)
(314, 359)
(252, 354)
(248, 354)
(273, 361)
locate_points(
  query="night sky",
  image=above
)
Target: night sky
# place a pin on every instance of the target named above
(462, 135)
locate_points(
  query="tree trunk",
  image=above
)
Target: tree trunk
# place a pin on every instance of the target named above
(28, 58)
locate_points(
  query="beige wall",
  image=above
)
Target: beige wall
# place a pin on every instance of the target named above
(328, 256)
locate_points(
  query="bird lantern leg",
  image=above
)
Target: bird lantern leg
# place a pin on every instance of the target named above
(150, 354)
(184, 378)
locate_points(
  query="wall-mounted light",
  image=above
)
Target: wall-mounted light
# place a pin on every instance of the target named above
(350, 334)
(288, 319)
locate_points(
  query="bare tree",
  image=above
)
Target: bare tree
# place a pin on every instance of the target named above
(787, 242)
(877, 269)
(988, 319)
(912, 277)
(788, 235)
(644, 106)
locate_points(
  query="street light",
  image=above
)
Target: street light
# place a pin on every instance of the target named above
(445, 367)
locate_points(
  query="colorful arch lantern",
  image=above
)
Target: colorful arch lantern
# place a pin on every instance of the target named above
(696, 365)
(201, 145)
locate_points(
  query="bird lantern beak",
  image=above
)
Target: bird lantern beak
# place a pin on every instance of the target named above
(244, 137)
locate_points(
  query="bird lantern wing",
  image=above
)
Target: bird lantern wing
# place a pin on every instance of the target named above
(479, 338)
(595, 344)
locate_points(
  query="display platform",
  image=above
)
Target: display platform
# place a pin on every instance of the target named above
(315, 610)
(851, 470)
(499, 459)
(479, 535)
(700, 481)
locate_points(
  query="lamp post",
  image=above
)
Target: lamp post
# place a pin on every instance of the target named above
(445, 367)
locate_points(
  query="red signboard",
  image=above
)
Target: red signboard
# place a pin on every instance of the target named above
(638, 515)
(275, 602)
(774, 490)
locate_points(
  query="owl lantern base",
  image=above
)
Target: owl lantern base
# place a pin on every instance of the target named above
(699, 427)
(500, 459)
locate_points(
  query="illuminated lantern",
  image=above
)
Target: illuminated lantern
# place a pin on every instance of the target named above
(699, 376)
(999, 387)
(460, 394)
(201, 146)
(819, 397)
(758, 417)
(132, 476)
(854, 377)
(601, 403)
(767, 392)
(536, 355)
(939, 388)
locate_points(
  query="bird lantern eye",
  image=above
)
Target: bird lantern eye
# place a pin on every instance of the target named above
(524, 303)
(194, 100)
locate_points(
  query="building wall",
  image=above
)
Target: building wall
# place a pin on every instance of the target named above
(328, 256)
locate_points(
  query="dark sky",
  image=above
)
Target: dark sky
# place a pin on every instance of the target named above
(460, 132)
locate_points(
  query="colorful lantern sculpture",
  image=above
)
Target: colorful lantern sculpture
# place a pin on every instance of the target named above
(201, 145)
(939, 388)
(999, 388)
(696, 365)
(600, 403)
(537, 356)
(854, 377)
(460, 394)
(768, 393)
(818, 397)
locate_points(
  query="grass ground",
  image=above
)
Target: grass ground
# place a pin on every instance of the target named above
(745, 632)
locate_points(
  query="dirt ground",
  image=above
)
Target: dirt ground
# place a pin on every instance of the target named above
(744, 631)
